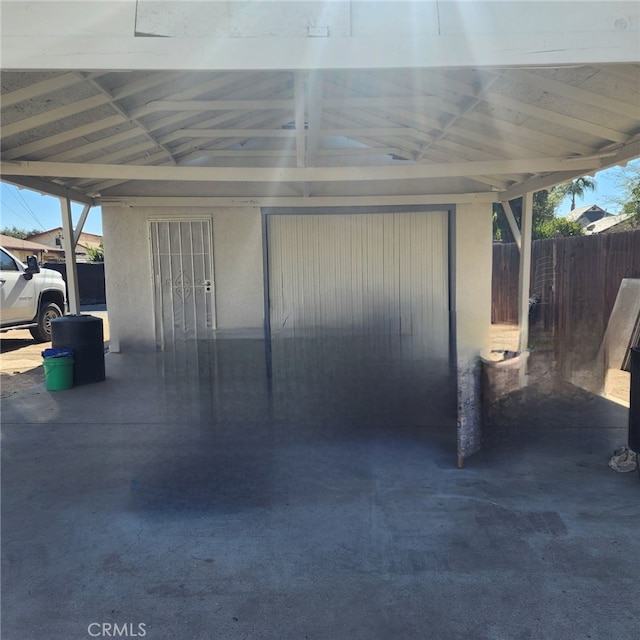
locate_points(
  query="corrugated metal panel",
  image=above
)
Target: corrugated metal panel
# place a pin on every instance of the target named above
(361, 274)
(359, 318)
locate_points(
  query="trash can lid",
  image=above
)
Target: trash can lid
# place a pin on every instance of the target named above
(57, 353)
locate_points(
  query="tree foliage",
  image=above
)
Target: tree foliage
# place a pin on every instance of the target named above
(545, 204)
(575, 188)
(628, 185)
(15, 232)
(97, 254)
(558, 227)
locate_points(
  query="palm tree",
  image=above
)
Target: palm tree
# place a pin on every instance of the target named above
(578, 187)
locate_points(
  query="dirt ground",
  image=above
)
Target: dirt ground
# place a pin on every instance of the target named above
(21, 358)
(504, 337)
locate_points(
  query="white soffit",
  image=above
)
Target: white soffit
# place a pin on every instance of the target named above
(353, 132)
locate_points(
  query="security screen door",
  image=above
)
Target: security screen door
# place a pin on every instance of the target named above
(182, 280)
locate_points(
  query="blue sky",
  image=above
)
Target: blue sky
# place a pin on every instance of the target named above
(27, 209)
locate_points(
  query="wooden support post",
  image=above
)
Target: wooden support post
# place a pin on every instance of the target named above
(80, 225)
(513, 225)
(70, 256)
(524, 279)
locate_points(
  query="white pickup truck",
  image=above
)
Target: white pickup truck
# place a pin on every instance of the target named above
(30, 297)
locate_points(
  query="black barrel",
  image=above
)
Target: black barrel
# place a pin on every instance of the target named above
(85, 336)
(634, 401)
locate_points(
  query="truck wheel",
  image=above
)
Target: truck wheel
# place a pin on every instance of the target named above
(48, 312)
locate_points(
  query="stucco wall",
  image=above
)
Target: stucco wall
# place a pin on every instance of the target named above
(472, 315)
(238, 279)
(473, 259)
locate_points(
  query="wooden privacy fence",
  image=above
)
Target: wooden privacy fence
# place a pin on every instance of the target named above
(578, 280)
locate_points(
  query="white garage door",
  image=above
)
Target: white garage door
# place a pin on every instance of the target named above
(361, 274)
(360, 301)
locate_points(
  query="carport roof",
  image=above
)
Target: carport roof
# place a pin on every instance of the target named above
(355, 134)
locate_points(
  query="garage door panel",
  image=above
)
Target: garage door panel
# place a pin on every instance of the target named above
(360, 274)
(359, 318)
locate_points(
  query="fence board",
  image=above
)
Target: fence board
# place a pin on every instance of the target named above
(578, 279)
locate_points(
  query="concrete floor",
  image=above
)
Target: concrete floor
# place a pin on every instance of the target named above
(187, 495)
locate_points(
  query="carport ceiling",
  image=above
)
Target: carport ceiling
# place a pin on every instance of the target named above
(323, 133)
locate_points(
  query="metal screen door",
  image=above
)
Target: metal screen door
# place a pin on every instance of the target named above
(182, 280)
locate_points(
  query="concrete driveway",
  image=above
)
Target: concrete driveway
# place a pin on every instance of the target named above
(187, 497)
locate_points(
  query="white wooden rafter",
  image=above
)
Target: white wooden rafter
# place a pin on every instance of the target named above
(51, 115)
(531, 138)
(136, 123)
(577, 94)
(64, 136)
(321, 174)
(447, 127)
(548, 115)
(297, 201)
(38, 89)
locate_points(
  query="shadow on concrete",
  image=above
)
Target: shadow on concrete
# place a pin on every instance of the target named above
(194, 494)
(7, 345)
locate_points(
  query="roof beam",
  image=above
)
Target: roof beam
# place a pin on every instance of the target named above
(451, 122)
(293, 201)
(103, 144)
(307, 174)
(395, 112)
(571, 122)
(346, 102)
(38, 89)
(298, 83)
(54, 114)
(49, 188)
(291, 133)
(628, 72)
(315, 90)
(213, 105)
(541, 141)
(65, 136)
(576, 94)
(149, 82)
(622, 155)
(408, 142)
(251, 120)
(279, 153)
(136, 123)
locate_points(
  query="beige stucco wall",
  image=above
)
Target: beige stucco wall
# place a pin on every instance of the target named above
(238, 277)
(473, 261)
(238, 273)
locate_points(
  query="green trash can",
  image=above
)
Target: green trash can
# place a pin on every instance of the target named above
(58, 369)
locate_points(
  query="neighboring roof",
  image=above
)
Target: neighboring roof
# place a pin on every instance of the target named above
(618, 223)
(9, 242)
(589, 214)
(83, 234)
